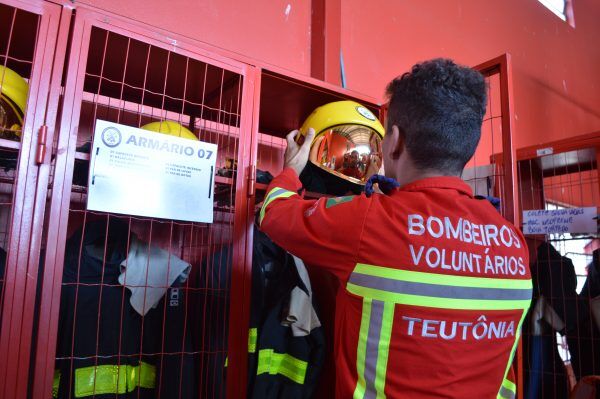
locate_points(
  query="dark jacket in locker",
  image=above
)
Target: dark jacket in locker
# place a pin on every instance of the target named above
(557, 282)
(105, 348)
(584, 341)
(211, 321)
(273, 278)
(554, 278)
(281, 365)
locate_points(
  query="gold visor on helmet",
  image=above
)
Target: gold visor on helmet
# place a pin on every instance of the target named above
(351, 152)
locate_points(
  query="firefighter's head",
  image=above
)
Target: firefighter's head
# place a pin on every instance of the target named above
(171, 128)
(434, 118)
(347, 142)
(13, 98)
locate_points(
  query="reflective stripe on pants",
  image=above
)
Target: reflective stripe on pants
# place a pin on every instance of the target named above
(113, 379)
(252, 338)
(286, 365)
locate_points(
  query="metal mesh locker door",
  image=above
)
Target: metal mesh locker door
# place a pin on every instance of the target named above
(564, 348)
(93, 340)
(29, 39)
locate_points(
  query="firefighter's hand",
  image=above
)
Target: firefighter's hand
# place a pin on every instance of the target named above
(296, 156)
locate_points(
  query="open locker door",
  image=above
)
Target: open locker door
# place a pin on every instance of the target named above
(165, 334)
(30, 36)
(559, 181)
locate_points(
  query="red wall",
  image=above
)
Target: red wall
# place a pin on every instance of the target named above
(556, 67)
(273, 31)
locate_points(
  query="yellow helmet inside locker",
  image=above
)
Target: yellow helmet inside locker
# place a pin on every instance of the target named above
(13, 99)
(351, 144)
(171, 128)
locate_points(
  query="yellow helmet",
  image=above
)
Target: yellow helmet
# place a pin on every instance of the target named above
(171, 128)
(13, 99)
(351, 144)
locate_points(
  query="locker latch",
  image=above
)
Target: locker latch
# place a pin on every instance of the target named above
(41, 145)
(252, 181)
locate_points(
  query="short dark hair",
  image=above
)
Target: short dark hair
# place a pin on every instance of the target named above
(438, 107)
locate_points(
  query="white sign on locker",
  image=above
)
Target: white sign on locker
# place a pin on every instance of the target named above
(138, 172)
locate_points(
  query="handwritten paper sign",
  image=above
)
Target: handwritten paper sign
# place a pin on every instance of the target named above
(570, 220)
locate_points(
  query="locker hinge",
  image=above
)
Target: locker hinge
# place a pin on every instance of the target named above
(41, 145)
(252, 181)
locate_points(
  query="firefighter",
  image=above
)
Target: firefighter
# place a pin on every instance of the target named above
(435, 282)
(13, 98)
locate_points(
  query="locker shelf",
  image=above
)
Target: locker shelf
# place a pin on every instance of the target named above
(286, 101)
(127, 111)
(155, 77)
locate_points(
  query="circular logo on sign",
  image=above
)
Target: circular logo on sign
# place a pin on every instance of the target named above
(111, 137)
(366, 113)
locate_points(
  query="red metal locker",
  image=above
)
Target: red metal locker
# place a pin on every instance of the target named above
(562, 175)
(31, 34)
(122, 72)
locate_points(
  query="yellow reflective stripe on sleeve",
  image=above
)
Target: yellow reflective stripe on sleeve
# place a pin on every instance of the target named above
(286, 365)
(363, 335)
(275, 193)
(252, 337)
(56, 383)
(113, 379)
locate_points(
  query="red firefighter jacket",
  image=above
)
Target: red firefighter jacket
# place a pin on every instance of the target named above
(435, 286)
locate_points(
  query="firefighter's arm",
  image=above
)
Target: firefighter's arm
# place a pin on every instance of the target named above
(324, 232)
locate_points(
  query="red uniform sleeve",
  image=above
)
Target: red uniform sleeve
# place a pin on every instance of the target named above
(324, 232)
